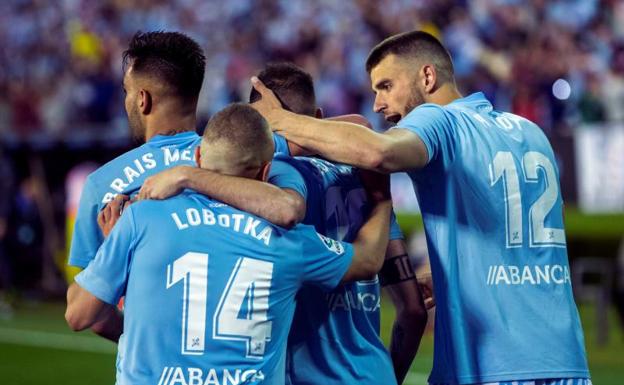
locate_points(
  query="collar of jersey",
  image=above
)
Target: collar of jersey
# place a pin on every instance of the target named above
(477, 97)
(157, 140)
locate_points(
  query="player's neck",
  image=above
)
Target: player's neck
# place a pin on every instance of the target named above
(170, 125)
(446, 94)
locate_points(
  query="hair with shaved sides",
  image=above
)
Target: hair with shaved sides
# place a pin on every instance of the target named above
(292, 85)
(242, 128)
(419, 46)
(172, 59)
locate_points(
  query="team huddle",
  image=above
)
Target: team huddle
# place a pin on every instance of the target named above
(255, 254)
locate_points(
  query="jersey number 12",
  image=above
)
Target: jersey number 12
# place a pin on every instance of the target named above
(503, 167)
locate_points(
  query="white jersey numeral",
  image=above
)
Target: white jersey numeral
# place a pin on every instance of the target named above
(247, 292)
(248, 288)
(192, 268)
(539, 234)
(503, 165)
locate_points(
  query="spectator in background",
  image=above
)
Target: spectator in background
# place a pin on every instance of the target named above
(71, 52)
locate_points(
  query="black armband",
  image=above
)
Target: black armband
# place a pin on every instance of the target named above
(396, 270)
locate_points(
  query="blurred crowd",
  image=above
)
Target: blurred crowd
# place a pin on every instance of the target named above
(557, 62)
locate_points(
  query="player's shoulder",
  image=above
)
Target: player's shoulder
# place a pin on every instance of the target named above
(150, 212)
(185, 198)
(286, 164)
(297, 236)
(321, 164)
(307, 238)
(282, 158)
(113, 165)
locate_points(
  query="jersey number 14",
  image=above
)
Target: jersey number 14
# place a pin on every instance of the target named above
(241, 314)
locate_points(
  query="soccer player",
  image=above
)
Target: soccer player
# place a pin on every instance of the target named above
(163, 74)
(210, 290)
(488, 187)
(335, 335)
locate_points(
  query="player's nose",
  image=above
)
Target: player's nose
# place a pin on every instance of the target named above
(379, 105)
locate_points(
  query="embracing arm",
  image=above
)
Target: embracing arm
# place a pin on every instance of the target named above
(284, 207)
(369, 246)
(84, 310)
(344, 142)
(398, 278)
(372, 239)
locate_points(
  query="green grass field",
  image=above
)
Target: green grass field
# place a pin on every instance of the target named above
(36, 347)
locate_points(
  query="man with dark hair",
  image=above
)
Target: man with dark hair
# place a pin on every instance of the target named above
(210, 290)
(163, 72)
(293, 86)
(413, 45)
(335, 335)
(488, 188)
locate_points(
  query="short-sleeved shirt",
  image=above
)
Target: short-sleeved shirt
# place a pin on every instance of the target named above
(492, 210)
(209, 290)
(335, 334)
(125, 175)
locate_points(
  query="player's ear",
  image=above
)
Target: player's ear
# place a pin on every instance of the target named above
(145, 101)
(429, 78)
(319, 113)
(264, 172)
(198, 156)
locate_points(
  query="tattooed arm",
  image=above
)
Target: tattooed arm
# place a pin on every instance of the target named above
(411, 315)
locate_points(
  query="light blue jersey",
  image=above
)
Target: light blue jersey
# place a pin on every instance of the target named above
(125, 175)
(280, 145)
(209, 290)
(334, 338)
(492, 211)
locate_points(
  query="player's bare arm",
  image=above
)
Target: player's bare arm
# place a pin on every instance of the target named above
(110, 326)
(397, 277)
(84, 310)
(345, 142)
(372, 240)
(284, 207)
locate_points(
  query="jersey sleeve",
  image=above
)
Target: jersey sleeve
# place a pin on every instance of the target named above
(325, 260)
(285, 175)
(432, 126)
(395, 229)
(106, 276)
(280, 144)
(87, 236)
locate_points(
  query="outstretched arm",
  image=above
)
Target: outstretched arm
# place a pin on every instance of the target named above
(397, 276)
(396, 150)
(284, 207)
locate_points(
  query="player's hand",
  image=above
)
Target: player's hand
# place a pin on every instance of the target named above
(164, 184)
(377, 185)
(111, 213)
(425, 283)
(268, 105)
